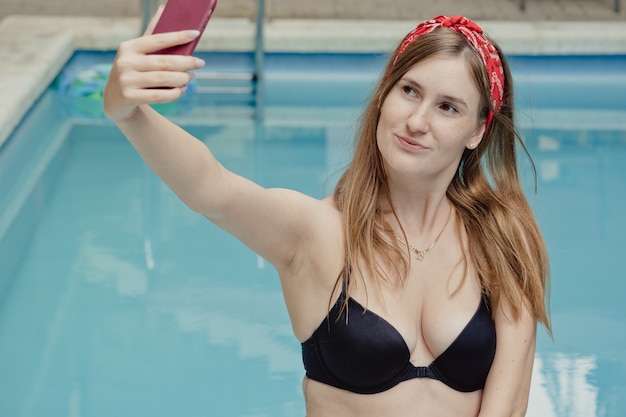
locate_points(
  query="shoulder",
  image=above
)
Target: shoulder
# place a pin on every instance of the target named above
(318, 225)
(308, 282)
(324, 237)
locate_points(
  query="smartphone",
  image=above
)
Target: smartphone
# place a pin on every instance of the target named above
(184, 15)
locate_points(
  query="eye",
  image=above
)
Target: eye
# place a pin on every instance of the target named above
(408, 90)
(448, 108)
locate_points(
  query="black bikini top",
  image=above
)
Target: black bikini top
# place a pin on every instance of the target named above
(367, 355)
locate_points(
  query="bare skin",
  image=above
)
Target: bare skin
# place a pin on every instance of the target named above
(427, 121)
(442, 316)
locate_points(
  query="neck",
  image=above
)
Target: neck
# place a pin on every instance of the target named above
(418, 216)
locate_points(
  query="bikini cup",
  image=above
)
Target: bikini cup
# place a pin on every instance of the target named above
(367, 355)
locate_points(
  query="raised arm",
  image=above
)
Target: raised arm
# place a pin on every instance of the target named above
(271, 222)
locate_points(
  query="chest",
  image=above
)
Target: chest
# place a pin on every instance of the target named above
(359, 350)
(429, 310)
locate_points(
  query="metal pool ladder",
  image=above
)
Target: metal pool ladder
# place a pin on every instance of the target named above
(617, 7)
(228, 83)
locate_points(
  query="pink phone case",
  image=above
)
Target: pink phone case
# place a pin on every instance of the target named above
(184, 15)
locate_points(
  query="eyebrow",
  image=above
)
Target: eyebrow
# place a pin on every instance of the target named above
(456, 100)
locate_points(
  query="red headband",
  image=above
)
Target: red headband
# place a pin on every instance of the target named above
(474, 34)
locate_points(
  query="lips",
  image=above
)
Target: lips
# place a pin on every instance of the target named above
(410, 144)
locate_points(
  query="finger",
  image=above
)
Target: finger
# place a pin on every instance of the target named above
(165, 79)
(152, 43)
(157, 96)
(154, 20)
(135, 80)
(168, 63)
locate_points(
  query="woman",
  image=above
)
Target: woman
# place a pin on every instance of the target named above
(387, 329)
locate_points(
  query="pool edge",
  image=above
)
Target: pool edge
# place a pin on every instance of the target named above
(35, 48)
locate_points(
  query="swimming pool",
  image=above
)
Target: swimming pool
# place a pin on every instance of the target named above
(117, 300)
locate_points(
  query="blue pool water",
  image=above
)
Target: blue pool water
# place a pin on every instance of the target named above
(115, 299)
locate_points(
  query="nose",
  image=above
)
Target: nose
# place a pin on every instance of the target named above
(418, 120)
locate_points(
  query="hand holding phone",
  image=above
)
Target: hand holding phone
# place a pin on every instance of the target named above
(184, 15)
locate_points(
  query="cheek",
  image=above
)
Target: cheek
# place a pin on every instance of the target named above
(387, 119)
(382, 124)
(379, 134)
(382, 136)
(390, 109)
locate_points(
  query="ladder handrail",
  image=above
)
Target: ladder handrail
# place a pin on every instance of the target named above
(259, 61)
(149, 8)
(259, 39)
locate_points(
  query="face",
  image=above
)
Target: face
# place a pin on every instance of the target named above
(430, 116)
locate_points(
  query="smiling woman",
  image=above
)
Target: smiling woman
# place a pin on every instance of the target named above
(443, 105)
(433, 111)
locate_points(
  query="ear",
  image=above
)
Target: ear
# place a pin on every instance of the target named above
(477, 135)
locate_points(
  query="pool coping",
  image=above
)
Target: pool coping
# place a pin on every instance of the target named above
(35, 48)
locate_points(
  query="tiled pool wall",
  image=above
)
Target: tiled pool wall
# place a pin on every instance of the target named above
(29, 166)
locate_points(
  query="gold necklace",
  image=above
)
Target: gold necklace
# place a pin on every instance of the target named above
(419, 254)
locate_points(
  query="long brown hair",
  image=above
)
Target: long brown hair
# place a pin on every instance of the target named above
(504, 244)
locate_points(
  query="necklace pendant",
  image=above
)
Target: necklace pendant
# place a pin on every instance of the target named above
(419, 254)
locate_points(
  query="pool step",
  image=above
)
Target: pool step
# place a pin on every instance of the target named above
(239, 83)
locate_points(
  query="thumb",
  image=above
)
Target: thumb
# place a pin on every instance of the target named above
(154, 20)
